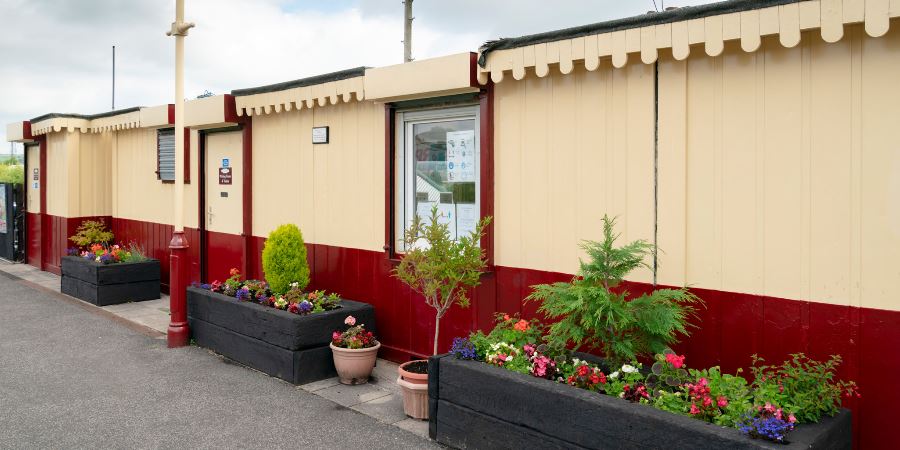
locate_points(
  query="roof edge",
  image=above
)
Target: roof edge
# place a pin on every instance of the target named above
(308, 81)
(652, 18)
(86, 116)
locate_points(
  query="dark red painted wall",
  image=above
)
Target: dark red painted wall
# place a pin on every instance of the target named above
(225, 253)
(730, 328)
(33, 239)
(154, 239)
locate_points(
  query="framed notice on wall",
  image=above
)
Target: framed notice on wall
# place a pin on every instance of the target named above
(320, 135)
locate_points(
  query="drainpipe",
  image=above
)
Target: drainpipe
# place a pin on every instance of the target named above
(178, 333)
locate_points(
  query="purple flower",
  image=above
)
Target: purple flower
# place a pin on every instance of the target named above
(242, 294)
(72, 251)
(205, 286)
(304, 307)
(106, 258)
(463, 348)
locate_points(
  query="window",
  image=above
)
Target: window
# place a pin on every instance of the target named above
(165, 154)
(438, 164)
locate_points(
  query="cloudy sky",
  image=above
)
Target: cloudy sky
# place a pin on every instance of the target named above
(56, 54)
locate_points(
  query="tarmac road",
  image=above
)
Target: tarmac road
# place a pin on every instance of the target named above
(70, 378)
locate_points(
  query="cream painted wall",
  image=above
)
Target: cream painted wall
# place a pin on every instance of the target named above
(33, 197)
(89, 173)
(780, 170)
(56, 173)
(569, 148)
(139, 195)
(334, 192)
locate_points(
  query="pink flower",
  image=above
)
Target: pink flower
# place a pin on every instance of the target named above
(703, 381)
(707, 402)
(336, 336)
(769, 407)
(722, 401)
(675, 360)
(694, 409)
(350, 320)
(791, 418)
(778, 413)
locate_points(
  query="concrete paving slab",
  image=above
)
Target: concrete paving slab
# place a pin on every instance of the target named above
(415, 426)
(387, 409)
(352, 395)
(321, 384)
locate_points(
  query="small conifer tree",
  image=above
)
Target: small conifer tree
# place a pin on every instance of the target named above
(284, 259)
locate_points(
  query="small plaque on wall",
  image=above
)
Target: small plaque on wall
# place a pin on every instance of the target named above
(225, 175)
(320, 135)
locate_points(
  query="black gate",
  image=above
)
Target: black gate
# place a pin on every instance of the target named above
(12, 222)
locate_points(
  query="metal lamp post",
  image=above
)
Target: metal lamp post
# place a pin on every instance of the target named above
(178, 327)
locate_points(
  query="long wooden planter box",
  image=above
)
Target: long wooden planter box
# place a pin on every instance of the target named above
(110, 284)
(476, 405)
(282, 344)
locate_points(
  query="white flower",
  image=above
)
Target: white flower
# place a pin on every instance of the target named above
(295, 284)
(614, 374)
(509, 358)
(629, 369)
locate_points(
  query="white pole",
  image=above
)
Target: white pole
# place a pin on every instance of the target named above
(179, 30)
(178, 333)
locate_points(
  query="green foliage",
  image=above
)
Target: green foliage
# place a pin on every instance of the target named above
(591, 311)
(284, 259)
(509, 329)
(134, 253)
(12, 173)
(92, 232)
(440, 268)
(805, 387)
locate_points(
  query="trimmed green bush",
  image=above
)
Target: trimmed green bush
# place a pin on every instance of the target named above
(284, 259)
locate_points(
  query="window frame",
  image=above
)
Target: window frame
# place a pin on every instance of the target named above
(482, 99)
(404, 193)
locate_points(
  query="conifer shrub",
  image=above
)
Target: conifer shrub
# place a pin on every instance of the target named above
(92, 232)
(284, 259)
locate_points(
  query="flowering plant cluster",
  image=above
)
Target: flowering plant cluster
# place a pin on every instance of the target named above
(799, 390)
(295, 300)
(355, 337)
(767, 422)
(109, 254)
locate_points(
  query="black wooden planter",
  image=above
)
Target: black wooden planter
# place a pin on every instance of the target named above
(282, 344)
(109, 284)
(476, 405)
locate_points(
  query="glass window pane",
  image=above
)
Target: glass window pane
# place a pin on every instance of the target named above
(446, 170)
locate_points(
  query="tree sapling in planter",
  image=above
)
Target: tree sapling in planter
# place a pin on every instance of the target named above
(442, 270)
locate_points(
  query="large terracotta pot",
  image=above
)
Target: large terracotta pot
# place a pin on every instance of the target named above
(415, 391)
(354, 365)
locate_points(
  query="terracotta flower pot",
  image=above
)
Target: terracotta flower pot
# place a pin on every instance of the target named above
(354, 366)
(415, 392)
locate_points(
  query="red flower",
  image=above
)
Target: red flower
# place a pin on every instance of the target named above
(582, 370)
(722, 401)
(675, 360)
(506, 317)
(521, 325)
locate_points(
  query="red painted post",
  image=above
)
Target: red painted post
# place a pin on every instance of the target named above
(178, 332)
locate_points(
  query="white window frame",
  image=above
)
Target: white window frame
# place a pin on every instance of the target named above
(404, 176)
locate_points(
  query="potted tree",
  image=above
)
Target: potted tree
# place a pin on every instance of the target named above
(442, 270)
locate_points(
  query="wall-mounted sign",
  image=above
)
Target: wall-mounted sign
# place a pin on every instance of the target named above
(226, 162)
(320, 135)
(35, 174)
(35, 185)
(461, 156)
(225, 175)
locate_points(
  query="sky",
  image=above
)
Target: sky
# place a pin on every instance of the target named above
(57, 54)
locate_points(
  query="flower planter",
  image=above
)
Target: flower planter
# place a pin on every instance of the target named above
(289, 346)
(354, 365)
(415, 391)
(109, 284)
(475, 405)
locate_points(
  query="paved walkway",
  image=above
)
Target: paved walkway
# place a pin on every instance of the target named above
(76, 376)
